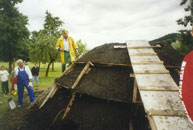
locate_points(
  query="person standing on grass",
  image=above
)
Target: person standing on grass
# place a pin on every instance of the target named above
(24, 79)
(35, 74)
(13, 80)
(67, 48)
(4, 80)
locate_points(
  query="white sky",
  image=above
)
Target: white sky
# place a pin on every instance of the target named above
(96, 22)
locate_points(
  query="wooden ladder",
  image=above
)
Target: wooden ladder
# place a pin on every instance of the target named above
(158, 91)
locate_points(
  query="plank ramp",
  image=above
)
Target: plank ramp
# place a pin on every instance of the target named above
(158, 91)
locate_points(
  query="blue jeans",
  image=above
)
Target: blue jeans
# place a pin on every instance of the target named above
(36, 78)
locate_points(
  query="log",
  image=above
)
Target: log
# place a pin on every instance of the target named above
(81, 75)
(68, 106)
(103, 64)
(48, 96)
(167, 113)
(40, 98)
(68, 70)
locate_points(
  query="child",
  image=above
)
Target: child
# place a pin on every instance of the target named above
(14, 83)
(4, 80)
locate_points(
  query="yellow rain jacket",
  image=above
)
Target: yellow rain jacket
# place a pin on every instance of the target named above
(72, 47)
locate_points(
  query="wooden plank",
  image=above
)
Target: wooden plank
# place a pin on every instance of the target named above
(131, 125)
(68, 70)
(144, 59)
(141, 43)
(151, 122)
(138, 47)
(150, 88)
(103, 64)
(151, 67)
(55, 90)
(88, 70)
(135, 92)
(180, 113)
(160, 101)
(81, 75)
(157, 80)
(48, 96)
(131, 75)
(147, 62)
(143, 54)
(152, 72)
(172, 123)
(131, 51)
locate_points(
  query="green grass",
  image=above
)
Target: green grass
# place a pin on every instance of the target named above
(176, 45)
(6, 114)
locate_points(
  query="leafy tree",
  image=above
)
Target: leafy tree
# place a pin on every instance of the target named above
(167, 39)
(13, 32)
(187, 19)
(82, 48)
(185, 38)
(42, 48)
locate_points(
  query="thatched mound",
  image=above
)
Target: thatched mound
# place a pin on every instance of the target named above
(103, 96)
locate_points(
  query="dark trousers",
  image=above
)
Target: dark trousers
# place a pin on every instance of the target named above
(5, 88)
(66, 60)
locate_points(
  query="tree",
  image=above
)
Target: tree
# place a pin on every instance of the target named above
(187, 19)
(186, 38)
(13, 31)
(82, 48)
(42, 47)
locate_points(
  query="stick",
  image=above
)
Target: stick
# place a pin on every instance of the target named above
(68, 70)
(48, 96)
(68, 106)
(81, 75)
(57, 115)
(103, 64)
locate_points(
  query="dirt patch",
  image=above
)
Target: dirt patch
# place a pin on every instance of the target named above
(87, 113)
(169, 55)
(106, 53)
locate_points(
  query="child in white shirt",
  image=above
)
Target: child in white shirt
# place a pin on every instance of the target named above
(4, 80)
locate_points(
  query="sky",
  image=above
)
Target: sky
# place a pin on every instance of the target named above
(97, 22)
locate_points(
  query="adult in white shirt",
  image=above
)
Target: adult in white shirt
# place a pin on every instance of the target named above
(4, 80)
(24, 79)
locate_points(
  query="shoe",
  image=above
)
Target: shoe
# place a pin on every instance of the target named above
(19, 105)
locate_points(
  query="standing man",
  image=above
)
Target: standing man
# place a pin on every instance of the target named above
(4, 80)
(67, 48)
(35, 74)
(24, 78)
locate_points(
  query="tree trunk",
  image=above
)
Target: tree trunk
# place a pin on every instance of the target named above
(48, 67)
(53, 66)
(13, 64)
(10, 66)
(39, 65)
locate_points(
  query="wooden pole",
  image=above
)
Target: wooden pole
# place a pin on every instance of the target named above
(85, 69)
(68, 106)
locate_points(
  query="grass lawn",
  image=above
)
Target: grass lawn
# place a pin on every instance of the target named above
(176, 45)
(8, 117)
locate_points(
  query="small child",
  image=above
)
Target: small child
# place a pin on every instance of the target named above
(13, 80)
(4, 80)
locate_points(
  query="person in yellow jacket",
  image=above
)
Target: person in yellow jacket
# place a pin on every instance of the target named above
(67, 48)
